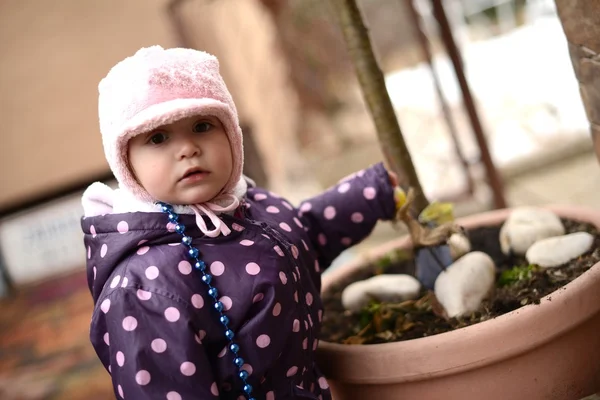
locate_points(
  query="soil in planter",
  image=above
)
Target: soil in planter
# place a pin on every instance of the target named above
(518, 284)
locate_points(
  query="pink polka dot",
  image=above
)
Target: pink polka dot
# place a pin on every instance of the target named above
(187, 368)
(185, 267)
(197, 301)
(287, 205)
(214, 389)
(310, 321)
(320, 314)
(360, 173)
(322, 239)
(258, 297)
(296, 326)
(272, 210)
(292, 371)
(309, 299)
(129, 323)
(237, 227)
(306, 325)
(317, 266)
(283, 277)
(346, 241)
(357, 218)
(252, 268)
(315, 344)
(369, 193)
(106, 338)
(276, 309)
(173, 244)
(152, 272)
(123, 227)
(344, 187)
(297, 222)
(305, 207)
(143, 295)
(323, 383)
(296, 296)
(125, 282)
(305, 245)
(105, 306)
(279, 251)
(305, 344)
(172, 314)
(227, 302)
(93, 231)
(270, 396)
(171, 227)
(217, 268)
(143, 250)
(265, 236)
(248, 368)
(120, 358)
(95, 272)
(263, 341)
(89, 252)
(115, 281)
(141, 242)
(200, 336)
(285, 227)
(159, 345)
(142, 377)
(103, 250)
(173, 396)
(295, 252)
(329, 212)
(246, 242)
(120, 390)
(222, 352)
(260, 196)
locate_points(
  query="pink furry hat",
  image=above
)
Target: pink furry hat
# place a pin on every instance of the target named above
(155, 87)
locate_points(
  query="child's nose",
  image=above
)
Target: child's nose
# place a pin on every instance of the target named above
(188, 148)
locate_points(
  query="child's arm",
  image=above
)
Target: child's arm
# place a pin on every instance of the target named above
(148, 344)
(347, 213)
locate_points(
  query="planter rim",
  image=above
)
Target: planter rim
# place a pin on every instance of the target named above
(465, 348)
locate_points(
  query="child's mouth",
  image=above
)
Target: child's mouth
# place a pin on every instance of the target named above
(194, 176)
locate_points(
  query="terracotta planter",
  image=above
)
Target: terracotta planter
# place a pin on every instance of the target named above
(549, 351)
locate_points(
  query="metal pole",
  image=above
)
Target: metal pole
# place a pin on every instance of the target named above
(494, 180)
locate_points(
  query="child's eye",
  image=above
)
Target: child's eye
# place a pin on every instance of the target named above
(200, 127)
(158, 138)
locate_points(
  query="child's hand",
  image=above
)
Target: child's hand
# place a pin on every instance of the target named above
(393, 178)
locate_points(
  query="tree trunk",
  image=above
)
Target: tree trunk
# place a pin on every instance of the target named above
(375, 93)
(581, 23)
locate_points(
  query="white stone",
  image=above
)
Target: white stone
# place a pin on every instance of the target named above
(384, 288)
(527, 225)
(459, 245)
(465, 283)
(556, 251)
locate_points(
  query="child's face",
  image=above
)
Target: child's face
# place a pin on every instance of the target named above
(186, 162)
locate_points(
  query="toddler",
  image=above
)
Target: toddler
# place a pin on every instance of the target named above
(204, 286)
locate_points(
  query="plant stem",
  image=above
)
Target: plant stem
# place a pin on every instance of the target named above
(375, 94)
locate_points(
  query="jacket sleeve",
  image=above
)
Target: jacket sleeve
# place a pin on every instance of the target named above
(150, 347)
(347, 213)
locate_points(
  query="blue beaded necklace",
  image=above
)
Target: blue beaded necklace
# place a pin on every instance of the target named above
(199, 265)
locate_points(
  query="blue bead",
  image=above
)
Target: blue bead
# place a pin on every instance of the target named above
(200, 265)
(243, 375)
(213, 292)
(193, 252)
(234, 348)
(186, 240)
(166, 207)
(180, 228)
(207, 278)
(251, 398)
(238, 361)
(229, 334)
(218, 306)
(224, 320)
(248, 388)
(173, 217)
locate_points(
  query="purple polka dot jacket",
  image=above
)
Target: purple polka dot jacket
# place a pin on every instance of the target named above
(154, 327)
